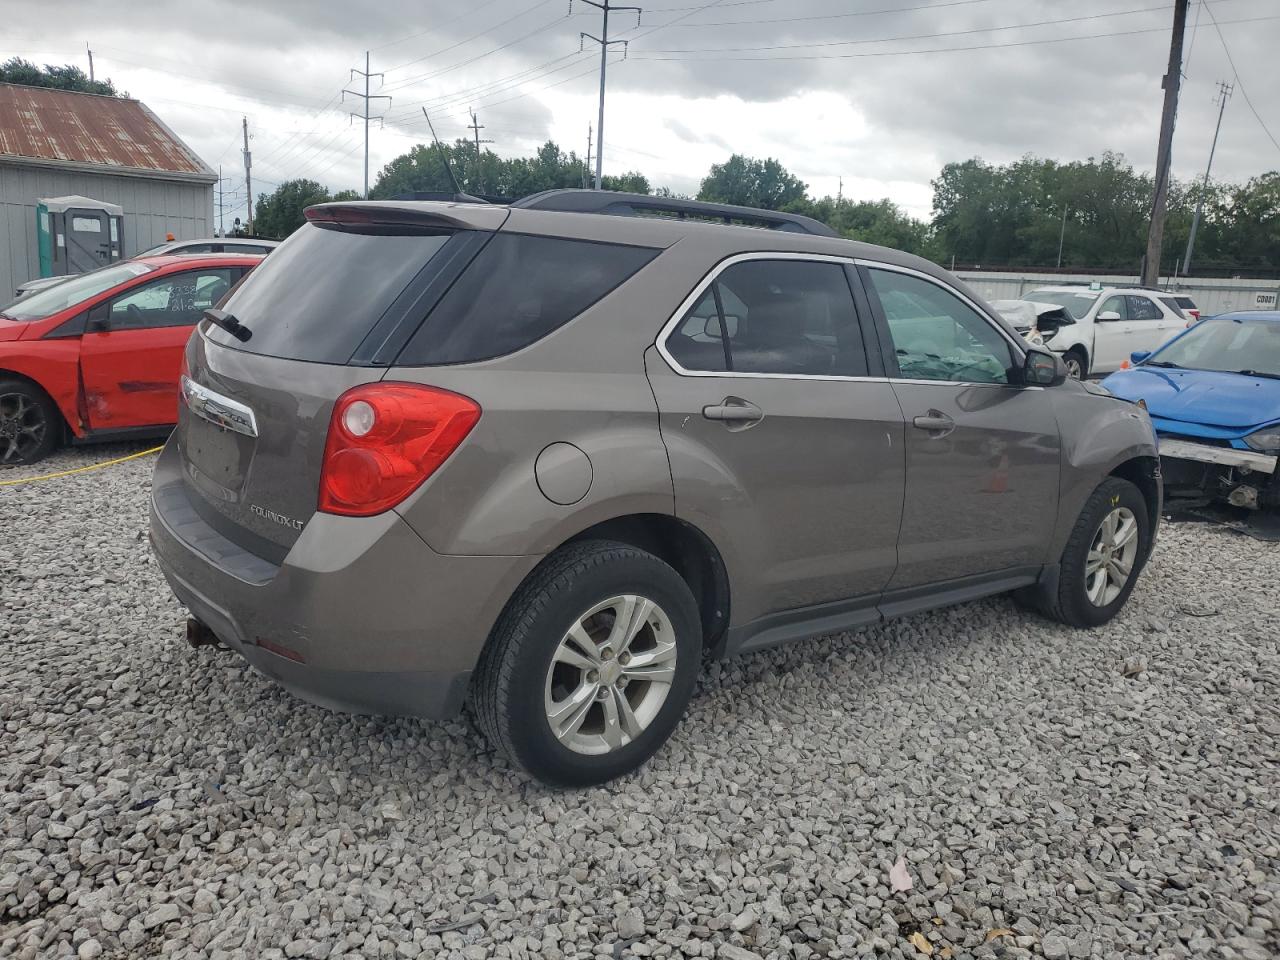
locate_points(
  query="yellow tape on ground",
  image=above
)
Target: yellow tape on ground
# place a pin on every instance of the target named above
(68, 473)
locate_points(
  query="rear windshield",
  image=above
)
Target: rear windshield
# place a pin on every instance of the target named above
(517, 290)
(321, 291)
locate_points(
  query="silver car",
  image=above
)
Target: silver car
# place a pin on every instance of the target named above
(540, 460)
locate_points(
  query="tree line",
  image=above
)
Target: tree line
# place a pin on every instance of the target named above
(1012, 215)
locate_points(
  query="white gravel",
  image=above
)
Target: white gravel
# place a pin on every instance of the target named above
(1055, 793)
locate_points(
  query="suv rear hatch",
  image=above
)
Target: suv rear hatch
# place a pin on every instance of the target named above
(327, 311)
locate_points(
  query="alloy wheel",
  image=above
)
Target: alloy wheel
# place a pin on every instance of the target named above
(610, 675)
(22, 427)
(1075, 369)
(1112, 553)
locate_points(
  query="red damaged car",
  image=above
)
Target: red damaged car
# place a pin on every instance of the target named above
(97, 357)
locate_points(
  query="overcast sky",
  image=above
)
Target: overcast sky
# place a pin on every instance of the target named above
(879, 92)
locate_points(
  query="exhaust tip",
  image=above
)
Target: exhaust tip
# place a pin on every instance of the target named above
(199, 635)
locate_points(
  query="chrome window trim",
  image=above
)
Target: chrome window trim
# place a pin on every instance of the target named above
(685, 305)
(219, 410)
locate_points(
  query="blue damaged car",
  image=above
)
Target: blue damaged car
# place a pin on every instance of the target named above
(1213, 394)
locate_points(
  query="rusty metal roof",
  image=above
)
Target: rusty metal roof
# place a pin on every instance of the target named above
(61, 126)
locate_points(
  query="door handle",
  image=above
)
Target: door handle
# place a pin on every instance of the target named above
(734, 410)
(938, 424)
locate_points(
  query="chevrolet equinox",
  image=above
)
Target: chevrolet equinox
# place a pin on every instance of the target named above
(538, 460)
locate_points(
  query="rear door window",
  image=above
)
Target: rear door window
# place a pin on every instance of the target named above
(320, 293)
(518, 289)
(1143, 308)
(785, 317)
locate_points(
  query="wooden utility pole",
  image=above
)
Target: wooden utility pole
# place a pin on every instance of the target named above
(248, 179)
(476, 127)
(1172, 83)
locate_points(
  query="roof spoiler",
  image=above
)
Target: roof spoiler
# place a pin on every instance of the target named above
(443, 216)
(617, 203)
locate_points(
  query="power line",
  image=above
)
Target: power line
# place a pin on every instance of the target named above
(907, 53)
(436, 28)
(1236, 76)
(460, 43)
(915, 36)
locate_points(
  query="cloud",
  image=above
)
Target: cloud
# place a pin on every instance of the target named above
(881, 95)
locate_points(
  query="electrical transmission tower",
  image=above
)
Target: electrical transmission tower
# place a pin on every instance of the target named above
(605, 8)
(366, 97)
(475, 128)
(1224, 94)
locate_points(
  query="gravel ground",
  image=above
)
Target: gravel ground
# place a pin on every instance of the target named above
(1055, 793)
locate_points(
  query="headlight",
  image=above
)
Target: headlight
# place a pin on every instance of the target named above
(1033, 336)
(1265, 441)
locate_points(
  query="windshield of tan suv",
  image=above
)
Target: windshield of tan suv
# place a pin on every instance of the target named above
(1076, 304)
(47, 302)
(1231, 345)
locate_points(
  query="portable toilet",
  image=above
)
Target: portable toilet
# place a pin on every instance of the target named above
(77, 234)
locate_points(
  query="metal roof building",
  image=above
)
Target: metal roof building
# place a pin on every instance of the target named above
(55, 143)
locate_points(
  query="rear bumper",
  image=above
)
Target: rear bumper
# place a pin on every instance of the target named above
(362, 616)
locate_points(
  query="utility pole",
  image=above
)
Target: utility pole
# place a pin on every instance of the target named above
(1062, 234)
(1224, 94)
(90, 52)
(248, 180)
(605, 8)
(1172, 83)
(221, 230)
(586, 166)
(475, 128)
(840, 191)
(366, 97)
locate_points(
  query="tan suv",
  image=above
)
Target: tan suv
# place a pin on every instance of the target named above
(542, 459)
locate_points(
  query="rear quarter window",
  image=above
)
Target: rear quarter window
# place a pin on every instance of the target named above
(519, 289)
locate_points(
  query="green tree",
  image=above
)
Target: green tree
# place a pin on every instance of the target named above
(421, 171)
(872, 221)
(17, 70)
(749, 182)
(278, 214)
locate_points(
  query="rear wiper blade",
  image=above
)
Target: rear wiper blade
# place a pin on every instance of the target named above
(228, 323)
(1260, 373)
(1167, 364)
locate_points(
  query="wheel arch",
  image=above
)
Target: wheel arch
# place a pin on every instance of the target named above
(1144, 473)
(1081, 349)
(64, 424)
(689, 551)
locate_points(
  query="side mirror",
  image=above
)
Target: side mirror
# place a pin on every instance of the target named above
(1138, 356)
(99, 321)
(712, 327)
(1043, 368)
(1107, 316)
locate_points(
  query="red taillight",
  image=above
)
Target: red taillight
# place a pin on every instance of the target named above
(384, 440)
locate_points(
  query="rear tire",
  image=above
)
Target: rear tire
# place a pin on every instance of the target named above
(30, 424)
(591, 665)
(1103, 558)
(1077, 363)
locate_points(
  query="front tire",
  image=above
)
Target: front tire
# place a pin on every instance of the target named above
(29, 423)
(591, 665)
(1077, 363)
(1103, 557)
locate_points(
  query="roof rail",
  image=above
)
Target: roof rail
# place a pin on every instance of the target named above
(622, 204)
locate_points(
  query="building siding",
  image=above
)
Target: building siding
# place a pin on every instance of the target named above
(153, 208)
